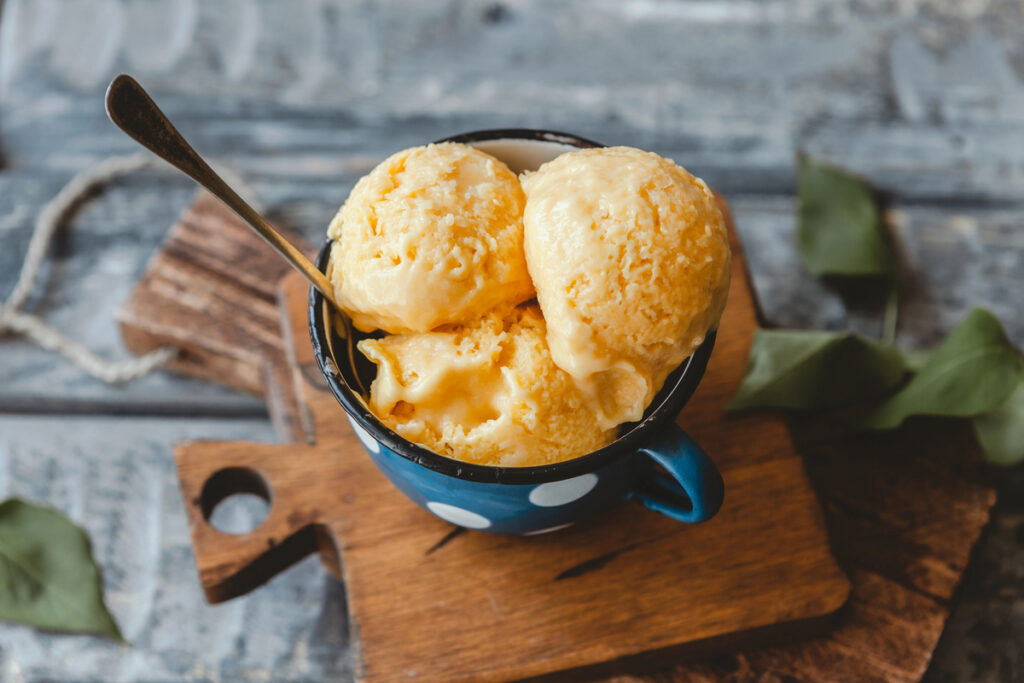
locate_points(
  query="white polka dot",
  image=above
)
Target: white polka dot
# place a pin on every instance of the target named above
(450, 513)
(562, 492)
(538, 532)
(364, 436)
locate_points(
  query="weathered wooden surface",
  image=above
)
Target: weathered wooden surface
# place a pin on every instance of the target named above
(92, 269)
(904, 512)
(763, 574)
(211, 292)
(115, 477)
(983, 635)
(922, 96)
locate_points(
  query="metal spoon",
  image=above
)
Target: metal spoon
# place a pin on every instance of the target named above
(132, 110)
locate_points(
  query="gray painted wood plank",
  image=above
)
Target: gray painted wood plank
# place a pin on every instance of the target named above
(115, 477)
(953, 258)
(924, 96)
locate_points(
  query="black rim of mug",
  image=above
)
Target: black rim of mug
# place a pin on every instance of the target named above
(678, 388)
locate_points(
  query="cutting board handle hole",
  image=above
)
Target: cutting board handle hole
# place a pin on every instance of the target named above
(236, 500)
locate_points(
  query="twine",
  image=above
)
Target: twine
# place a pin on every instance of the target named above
(53, 214)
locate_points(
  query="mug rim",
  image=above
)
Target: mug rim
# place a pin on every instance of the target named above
(668, 402)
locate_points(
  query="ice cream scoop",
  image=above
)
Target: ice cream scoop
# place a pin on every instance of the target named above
(431, 236)
(630, 258)
(486, 392)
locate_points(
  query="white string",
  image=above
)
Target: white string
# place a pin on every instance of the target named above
(50, 218)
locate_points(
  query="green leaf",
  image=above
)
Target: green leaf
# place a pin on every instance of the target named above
(47, 575)
(1001, 432)
(892, 313)
(809, 370)
(840, 225)
(917, 358)
(972, 372)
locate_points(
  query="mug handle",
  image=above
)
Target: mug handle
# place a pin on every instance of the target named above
(693, 489)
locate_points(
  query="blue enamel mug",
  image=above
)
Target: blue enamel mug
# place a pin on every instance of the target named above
(529, 500)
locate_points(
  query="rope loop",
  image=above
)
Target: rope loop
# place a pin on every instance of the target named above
(54, 214)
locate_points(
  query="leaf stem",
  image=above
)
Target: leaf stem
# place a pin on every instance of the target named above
(892, 313)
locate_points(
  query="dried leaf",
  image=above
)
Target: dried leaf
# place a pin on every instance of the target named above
(47, 575)
(799, 370)
(972, 372)
(1001, 432)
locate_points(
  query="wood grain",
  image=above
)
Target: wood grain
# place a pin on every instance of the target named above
(210, 291)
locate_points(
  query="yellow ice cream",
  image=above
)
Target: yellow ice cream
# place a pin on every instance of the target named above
(486, 392)
(630, 258)
(431, 236)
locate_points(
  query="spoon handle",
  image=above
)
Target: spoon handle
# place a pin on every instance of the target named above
(132, 110)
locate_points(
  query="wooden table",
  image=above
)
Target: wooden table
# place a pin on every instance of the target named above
(303, 98)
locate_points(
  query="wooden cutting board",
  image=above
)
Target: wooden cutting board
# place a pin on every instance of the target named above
(628, 591)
